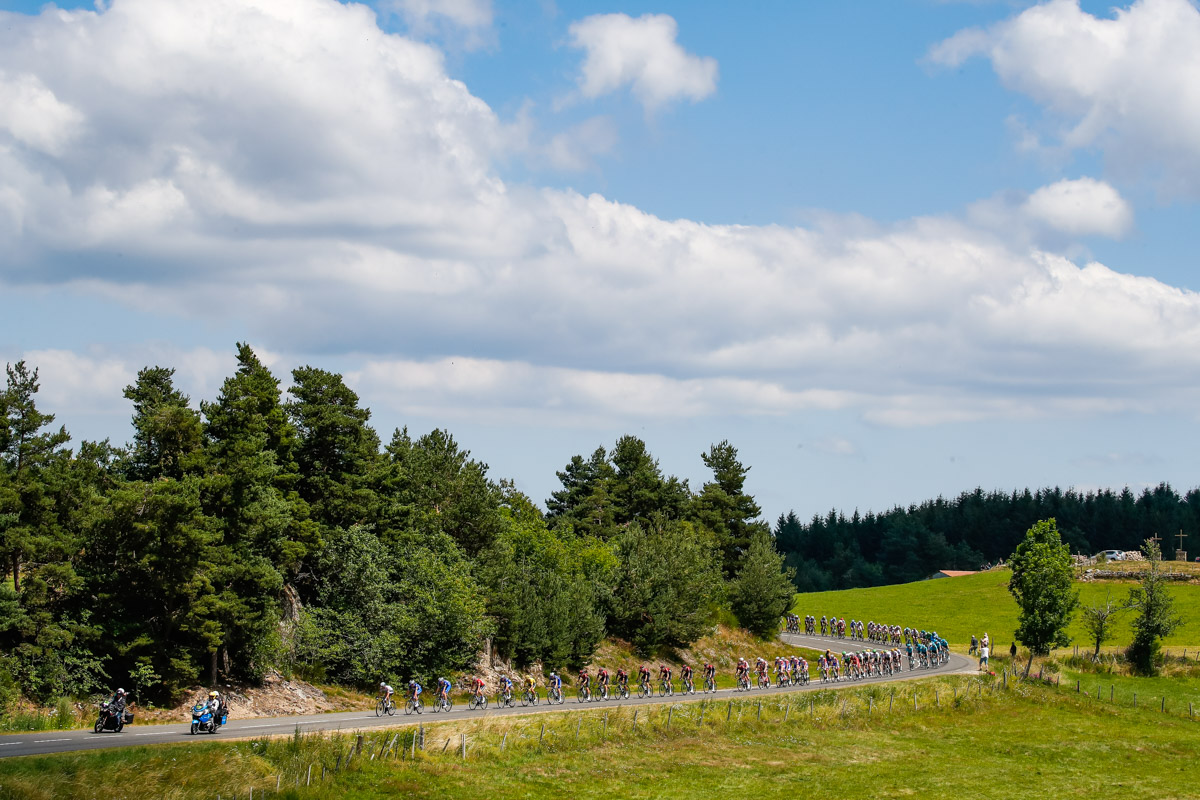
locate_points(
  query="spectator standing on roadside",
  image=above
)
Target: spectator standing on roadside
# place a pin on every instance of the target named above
(974, 645)
(983, 657)
(1012, 652)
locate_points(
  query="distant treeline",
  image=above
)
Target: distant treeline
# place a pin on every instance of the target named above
(974, 529)
(258, 532)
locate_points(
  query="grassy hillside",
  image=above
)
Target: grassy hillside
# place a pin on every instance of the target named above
(721, 648)
(959, 607)
(1025, 740)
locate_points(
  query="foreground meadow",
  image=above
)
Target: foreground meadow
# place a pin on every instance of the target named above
(972, 735)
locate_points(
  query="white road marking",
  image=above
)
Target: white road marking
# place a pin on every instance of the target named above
(278, 725)
(156, 733)
(43, 741)
(6, 744)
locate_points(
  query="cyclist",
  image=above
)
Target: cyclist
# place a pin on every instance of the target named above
(414, 691)
(710, 675)
(386, 691)
(585, 683)
(622, 681)
(742, 672)
(529, 684)
(602, 682)
(685, 675)
(555, 683)
(477, 686)
(644, 677)
(444, 687)
(506, 687)
(664, 675)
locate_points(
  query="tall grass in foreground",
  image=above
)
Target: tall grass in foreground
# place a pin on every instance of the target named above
(63, 715)
(842, 740)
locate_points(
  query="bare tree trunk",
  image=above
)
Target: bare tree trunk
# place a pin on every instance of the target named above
(213, 670)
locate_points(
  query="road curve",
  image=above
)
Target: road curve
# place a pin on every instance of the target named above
(47, 742)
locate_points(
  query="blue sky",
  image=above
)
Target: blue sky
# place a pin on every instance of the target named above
(890, 250)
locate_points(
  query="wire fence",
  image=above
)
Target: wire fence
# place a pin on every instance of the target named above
(490, 735)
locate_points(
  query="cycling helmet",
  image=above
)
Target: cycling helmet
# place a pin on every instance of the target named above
(120, 691)
(382, 685)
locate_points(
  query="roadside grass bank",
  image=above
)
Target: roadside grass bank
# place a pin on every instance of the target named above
(974, 604)
(23, 716)
(944, 735)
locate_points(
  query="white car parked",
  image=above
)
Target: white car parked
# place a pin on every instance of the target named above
(1114, 555)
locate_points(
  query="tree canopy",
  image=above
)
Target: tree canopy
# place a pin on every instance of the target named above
(1043, 584)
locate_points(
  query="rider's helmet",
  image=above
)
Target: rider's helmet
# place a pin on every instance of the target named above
(382, 685)
(214, 695)
(121, 692)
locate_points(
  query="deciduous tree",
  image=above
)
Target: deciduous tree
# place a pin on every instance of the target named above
(1043, 584)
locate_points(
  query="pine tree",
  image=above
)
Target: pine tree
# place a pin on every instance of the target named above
(166, 432)
(762, 592)
(337, 449)
(27, 450)
(725, 509)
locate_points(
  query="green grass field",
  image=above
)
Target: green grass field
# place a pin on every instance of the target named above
(976, 738)
(959, 607)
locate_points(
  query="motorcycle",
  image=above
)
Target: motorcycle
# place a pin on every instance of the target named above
(203, 720)
(112, 720)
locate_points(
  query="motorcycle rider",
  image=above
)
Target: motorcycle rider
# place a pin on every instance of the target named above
(216, 706)
(116, 706)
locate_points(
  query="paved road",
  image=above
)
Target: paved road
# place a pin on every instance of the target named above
(63, 741)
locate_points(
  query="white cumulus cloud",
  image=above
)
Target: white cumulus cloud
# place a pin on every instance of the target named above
(287, 170)
(643, 55)
(1129, 83)
(1081, 207)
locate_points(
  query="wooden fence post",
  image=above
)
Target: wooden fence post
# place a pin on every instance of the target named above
(891, 700)
(728, 712)
(464, 746)
(542, 735)
(670, 710)
(759, 717)
(786, 709)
